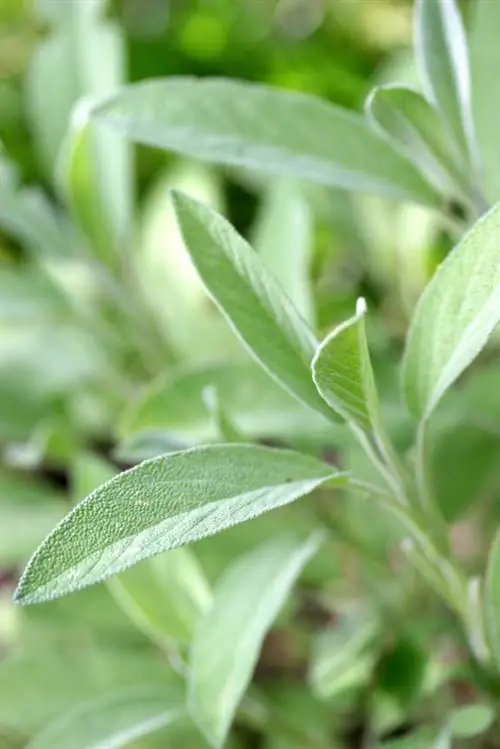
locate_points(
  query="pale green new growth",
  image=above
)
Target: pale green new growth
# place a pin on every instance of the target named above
(165, 503)
(250, 298)
(455, 316)
(226, 647)
(279, 132)
(343, 373)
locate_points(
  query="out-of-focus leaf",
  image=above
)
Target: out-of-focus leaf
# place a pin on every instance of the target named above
(61, 677)
(226, 647)
(113, 721)
(251, 299)
(279, 132)
(284, 237)
(443, 58)
(407, 117)
(192, 324)
(401, 670)
(28, 510)
(485, 59)
(343, 374)
(226, 431)
(470, 720)
(454, 318)
(256, 405)
(165, 503)
(342, 658)
(491, 602)
(164, 596)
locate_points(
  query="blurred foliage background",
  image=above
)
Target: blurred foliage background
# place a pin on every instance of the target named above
(107, 343)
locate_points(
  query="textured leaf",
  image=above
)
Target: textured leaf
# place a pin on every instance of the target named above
(226, 647)
(250, 298)
(284, 238)
(411, 121)
(343, 373)
(485, 63)
(279, 132)
(165, 503)
(492, 599)
(112, 721)
(443, 58)
(253, 401)
(455, 316)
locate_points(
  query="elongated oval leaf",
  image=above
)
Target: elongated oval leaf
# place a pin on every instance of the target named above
(442, 54)
(454, 317)
(284, 238)
(485, 64)
(410, 120)
(279, 132)
(113, 721)
(165, 503)
(343, 373)
(226, 648)
(250, 298)
(491, 601)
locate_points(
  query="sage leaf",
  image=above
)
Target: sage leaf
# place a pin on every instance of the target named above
(411, 121)
(491, 602)
(165, 503)
(284, 238)
(443, 58)
(250, 298)
(164, 596)
(343, 373)
(112, 721)
(263, 128)
(226, 430)
(454, 317)
(226, 647)
(485, 63)
(255, 403)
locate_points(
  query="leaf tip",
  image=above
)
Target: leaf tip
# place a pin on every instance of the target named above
(361, 306)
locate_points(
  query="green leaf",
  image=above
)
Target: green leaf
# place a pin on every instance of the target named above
(443, 58)
(284, 238)
(256, 405)
(485, 63)
(28, 510)
(343, 373)
(226, 430)
(250, 298)
(113, 721)
(342, 657)
(454, 317)
(412, 122)
(164, 596)
(85, 185)
(491, 602)
(470, 720)
(226, 647)
(279, 132)
(165, 503)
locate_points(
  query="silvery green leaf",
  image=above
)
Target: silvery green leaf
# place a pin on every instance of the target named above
(165, 503)
(279, 132)
(250, 298)
(226, 647)
(343, 373)
(455, 316)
